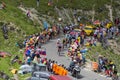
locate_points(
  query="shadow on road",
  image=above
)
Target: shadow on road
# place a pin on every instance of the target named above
(47, 42)
(79, 77)
(62, 54)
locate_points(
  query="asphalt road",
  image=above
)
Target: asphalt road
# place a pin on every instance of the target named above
(85, 74)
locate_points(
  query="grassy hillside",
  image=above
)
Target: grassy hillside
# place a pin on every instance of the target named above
(85, 5)
(11, 14)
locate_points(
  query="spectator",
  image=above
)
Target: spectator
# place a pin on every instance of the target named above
(48, 65)
(28, 13)
(28, 60)
(38, 2)
(20, 3)
(3, 5)
(75, 12)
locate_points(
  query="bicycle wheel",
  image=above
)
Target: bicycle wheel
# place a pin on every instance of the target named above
(59, 50)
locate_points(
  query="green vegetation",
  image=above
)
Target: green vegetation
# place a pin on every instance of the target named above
(11, 14)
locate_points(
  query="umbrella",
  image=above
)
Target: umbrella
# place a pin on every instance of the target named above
(28, 52)
(43, 51)
(4, 54)
(25, 67)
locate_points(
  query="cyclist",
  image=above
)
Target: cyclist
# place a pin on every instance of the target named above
(59, 46)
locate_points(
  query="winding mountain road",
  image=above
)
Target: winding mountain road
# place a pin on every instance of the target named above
(85, 74)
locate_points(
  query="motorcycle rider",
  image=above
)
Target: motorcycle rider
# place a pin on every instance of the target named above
(76, 70)
(72, 65)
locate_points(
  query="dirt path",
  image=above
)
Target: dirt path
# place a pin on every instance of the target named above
(33, 14)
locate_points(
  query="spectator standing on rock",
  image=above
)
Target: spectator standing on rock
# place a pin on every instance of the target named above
(4, 28)
(38, 3)
(3, 5)
(5, 31)
(28, 13)
(75, 13)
